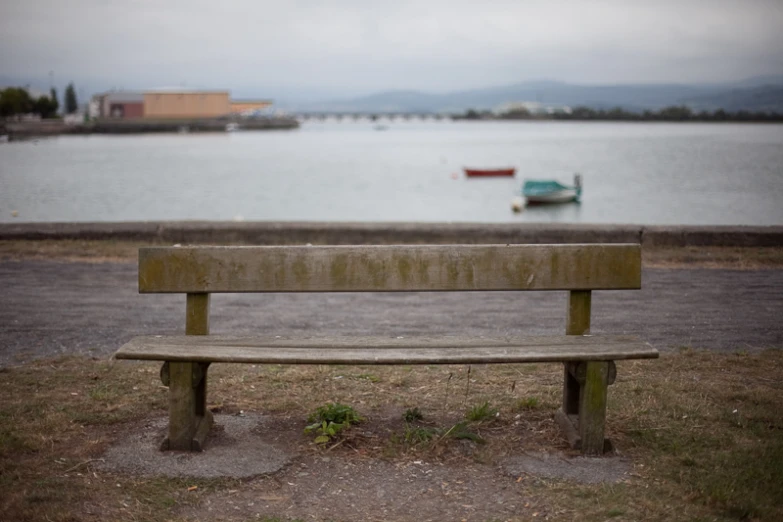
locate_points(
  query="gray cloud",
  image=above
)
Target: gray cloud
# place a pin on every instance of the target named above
(353, 47)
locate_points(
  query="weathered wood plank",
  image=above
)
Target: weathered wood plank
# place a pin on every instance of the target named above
(577, 323)
(578, 316)
(182, 407)
(396, 268)
(570, 389)
(592, 407)
(189, 419)
(203, 424)
(384, 350)
(568, 426)
(197, 314)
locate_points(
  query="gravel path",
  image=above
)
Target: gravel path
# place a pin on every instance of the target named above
(52, 308)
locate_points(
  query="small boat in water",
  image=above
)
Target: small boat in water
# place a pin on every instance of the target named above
(489, 173)
(549, 191)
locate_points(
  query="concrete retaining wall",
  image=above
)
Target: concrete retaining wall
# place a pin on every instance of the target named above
(280, 233)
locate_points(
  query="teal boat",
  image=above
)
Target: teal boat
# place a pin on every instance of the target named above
(549, 191)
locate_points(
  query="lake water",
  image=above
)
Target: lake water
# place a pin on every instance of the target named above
(634, 173)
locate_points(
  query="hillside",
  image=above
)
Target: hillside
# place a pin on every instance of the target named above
(746, 95)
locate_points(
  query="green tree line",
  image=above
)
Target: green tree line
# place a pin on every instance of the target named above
(673, 113)
(15, 101)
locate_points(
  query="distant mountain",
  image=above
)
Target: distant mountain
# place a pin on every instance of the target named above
(766, 98)
(759, 81)
(755, 94)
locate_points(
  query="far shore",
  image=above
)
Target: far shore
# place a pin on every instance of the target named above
(56, 127)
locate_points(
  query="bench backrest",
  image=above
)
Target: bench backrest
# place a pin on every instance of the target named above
(394, 268)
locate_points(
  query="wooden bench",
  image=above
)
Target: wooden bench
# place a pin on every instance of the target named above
(201, 271)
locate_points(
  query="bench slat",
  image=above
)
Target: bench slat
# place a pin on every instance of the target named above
(397, 268)
(385, 350)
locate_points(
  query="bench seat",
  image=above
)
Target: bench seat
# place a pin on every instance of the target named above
(385, 350)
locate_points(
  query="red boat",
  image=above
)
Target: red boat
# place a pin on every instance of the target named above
(478, 173)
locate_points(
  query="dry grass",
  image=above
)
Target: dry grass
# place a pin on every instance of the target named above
(71, 250)
(126, 251)
(705, 431)
(738, 258)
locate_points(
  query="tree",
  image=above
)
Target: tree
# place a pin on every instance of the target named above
(53, 98)
(71, 105)
(15, 100)
(675, 113)
(45, 106)
(518, 113)
(472, 114)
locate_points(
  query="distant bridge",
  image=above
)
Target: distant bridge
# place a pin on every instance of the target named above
(369, 116)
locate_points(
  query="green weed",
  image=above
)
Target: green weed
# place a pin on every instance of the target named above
(528, 403)
(412, 415)
(481, 412)
(329, 420)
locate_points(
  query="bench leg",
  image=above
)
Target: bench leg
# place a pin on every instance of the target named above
(570, 389)
(189, 419)
(592, 407)
(568, 417)
(583, 415)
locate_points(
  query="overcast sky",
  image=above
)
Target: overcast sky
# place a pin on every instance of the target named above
(315, 47)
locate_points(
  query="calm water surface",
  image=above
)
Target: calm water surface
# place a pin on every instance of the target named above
(633, 173)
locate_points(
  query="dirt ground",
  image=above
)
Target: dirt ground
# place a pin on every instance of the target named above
(287, 476)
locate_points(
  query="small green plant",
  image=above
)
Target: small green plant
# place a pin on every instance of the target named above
(420, 434)
(481, 412)
(528, 403)
(461, 431)
(417, 435)
(412, 415)
(329, 420)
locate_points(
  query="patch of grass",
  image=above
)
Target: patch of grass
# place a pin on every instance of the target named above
(99, 418)
(369, 377)
(423, 435)
(417, 434)
(412, 415)
(745, 482)
(329, 420)
(12, 443)
(461, 431)
(104, 392)
(527, 403)
(75, 250)
(481, 412)
(740, 258)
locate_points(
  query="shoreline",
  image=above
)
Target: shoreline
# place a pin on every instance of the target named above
(35, 129)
